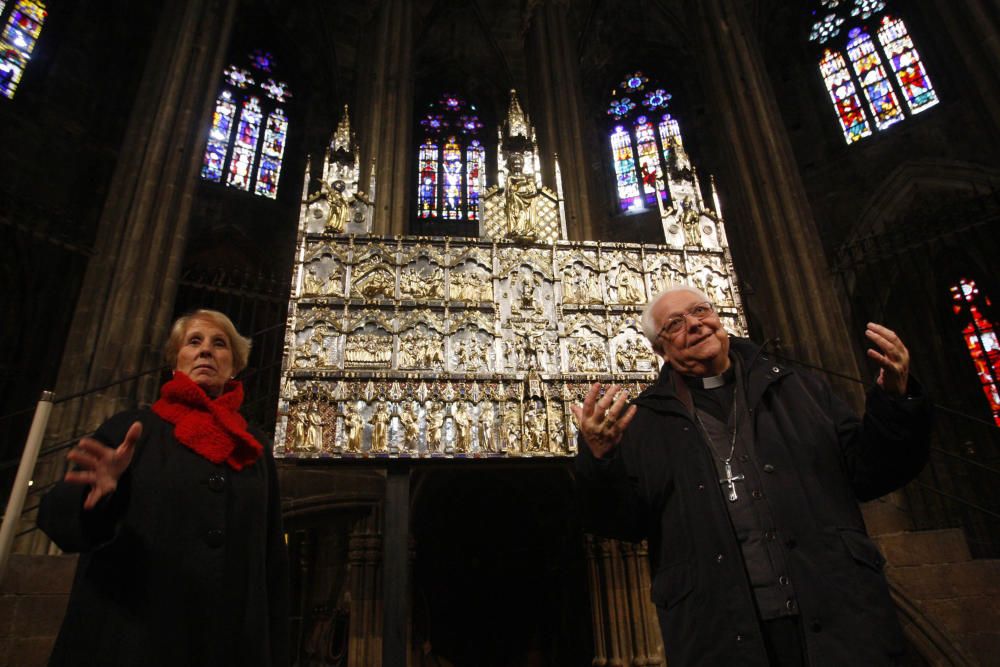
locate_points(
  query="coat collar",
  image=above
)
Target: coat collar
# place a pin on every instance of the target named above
(760, 370)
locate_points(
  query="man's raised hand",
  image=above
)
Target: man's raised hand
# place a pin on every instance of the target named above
(602, 421)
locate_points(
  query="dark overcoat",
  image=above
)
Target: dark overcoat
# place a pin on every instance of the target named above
(817, 460)
(185, 564)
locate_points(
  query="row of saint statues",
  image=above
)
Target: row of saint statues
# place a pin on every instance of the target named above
(429, 428)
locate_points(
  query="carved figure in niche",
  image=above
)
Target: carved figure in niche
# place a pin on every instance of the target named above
(314, 434)
(411, 426)
(317, 344)
(579, 287)
(628, 292)
(334, 281)
(534, 429)
(338, 207)
(529, 288)
(486, 428)
(311, 284)
(512, 425)
(557, 438)
(463, 428)
(520, 201)
(355, 423)
(422, 284)
(668, 277)
(301, 424)
(715, 287)
(629, 353)
(435, 426)
(378, 283)
(688, 219)
(380, 428)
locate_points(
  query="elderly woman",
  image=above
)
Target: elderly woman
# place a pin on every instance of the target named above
(175, 512)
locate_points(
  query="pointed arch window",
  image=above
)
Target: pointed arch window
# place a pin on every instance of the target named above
(451, 173)
(246, 142)
(869, 66)
(980, 338)
(22, 26)
(641, 135)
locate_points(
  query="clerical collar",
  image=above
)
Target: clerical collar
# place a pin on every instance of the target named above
(713, 381)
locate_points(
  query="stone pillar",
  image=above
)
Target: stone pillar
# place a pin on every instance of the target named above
(649, 618)
(364, 643)
(387, 116)
(127, 298)
(596, 601)
(637, 594)
(768, 219)
(558, 111)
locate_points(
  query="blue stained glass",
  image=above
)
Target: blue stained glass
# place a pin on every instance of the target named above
(621, 108)
(271, 154)
(18, 41)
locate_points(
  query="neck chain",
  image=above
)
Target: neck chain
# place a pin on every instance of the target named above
(729, 481)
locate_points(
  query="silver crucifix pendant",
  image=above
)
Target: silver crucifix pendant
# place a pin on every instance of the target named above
(730, 481)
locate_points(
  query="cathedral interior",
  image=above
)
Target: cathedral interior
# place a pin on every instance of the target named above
(444, 230)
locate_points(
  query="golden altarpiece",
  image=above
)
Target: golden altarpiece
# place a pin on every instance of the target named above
(475, 348)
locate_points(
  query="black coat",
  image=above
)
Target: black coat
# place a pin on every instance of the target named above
(185, 564)
(818, 460)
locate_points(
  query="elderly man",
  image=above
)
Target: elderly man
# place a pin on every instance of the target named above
(744, 474)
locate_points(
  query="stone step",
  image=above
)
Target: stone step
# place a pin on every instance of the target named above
(885, 516)
(939, 581)
(925, 547)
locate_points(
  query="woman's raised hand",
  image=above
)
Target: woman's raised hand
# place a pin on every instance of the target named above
(101, 467)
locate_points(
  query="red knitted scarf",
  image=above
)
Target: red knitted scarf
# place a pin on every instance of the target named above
(212, 428)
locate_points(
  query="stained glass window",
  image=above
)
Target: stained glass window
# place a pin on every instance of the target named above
(271, 153)
(247, 133)
(218, 137)
(868, 67)
(18, 41)
(475, 160)
(981, 340)
(838, 82)
(905, 63)
(235, 146)
(628, 186)
(451, 161)
(641, 135)
(859, 66)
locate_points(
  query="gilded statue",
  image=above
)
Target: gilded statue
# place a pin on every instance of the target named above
(338, 207)
(486, 429)
(463, 429)
(628, 291)
(380, 428)
(520, 201)
(301, 421)
(688, 219)
(314, 434)
(435, 426)
(311, 283)
(411, 426)
(355, 423)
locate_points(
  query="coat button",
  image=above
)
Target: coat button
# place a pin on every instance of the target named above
(701, 487)
(719, 558)
(757, 494)
(789, 604)
(769, 535)
(783, 580)
(739, 638)
(775, 369)
(215, 538)
(217, 481)
(768, 467)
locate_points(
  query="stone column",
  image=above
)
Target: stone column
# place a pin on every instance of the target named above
(637, 594)
(387, 116)
(558, 111)
(596, 601)
(127, 298)
(364, 644)
(648, 615)
(769, 218)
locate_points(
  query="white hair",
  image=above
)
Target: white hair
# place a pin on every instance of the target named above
(651, 328)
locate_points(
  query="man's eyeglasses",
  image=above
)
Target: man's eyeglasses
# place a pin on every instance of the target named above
(699, 311)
